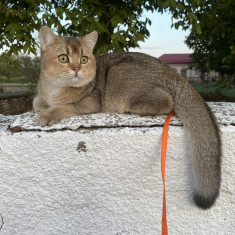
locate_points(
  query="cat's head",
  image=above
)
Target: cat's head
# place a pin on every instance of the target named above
(67, 62)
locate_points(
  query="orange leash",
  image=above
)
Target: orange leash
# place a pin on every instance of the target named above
(163, 163)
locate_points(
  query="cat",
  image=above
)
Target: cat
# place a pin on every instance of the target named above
(73, 81)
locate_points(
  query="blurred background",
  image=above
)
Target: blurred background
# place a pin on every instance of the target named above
(195, 37)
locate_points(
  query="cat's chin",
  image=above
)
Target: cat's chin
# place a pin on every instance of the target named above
(77, 82)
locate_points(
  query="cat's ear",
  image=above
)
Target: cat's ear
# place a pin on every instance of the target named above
(47, 38)
(90, 39)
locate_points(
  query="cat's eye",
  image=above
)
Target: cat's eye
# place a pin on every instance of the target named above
(63, 58)
(84, 59)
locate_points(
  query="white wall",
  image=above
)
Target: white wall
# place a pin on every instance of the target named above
(190, 73)
(105, 179)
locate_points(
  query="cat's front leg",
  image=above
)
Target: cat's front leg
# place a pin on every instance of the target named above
(39, 104)
(54, 114)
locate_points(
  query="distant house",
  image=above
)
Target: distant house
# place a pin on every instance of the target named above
(182, 62)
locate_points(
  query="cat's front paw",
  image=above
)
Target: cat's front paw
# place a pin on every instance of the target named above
(48, 117)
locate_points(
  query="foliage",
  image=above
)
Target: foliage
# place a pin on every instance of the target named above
(18, 20)
(212, 31)
(118, 22)
(21, 69)
(211, 93)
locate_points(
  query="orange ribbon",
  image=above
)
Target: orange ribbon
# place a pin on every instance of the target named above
(163, 163)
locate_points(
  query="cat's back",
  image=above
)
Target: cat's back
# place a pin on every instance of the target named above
(131, 58)
(136, 68)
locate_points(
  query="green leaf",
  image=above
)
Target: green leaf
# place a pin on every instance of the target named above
(198, 28)
(164, 4)
(7, 12)
(178, 24)
(192, 18)
(20, 15)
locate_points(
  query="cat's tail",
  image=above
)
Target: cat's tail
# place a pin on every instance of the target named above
(204, 136)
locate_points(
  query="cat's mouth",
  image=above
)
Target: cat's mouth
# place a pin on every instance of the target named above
(76, 79)
(76, 75)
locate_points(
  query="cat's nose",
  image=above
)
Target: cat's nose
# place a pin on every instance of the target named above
(76, 69)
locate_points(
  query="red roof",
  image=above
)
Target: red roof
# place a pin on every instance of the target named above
(176, 58)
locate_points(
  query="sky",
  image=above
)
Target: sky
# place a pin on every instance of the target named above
(163, 39)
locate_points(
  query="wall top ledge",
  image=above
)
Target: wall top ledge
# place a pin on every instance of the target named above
(225, 113)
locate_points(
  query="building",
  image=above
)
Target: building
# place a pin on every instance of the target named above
(182, 63)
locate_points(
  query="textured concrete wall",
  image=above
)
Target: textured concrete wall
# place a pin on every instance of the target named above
(94, 175)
